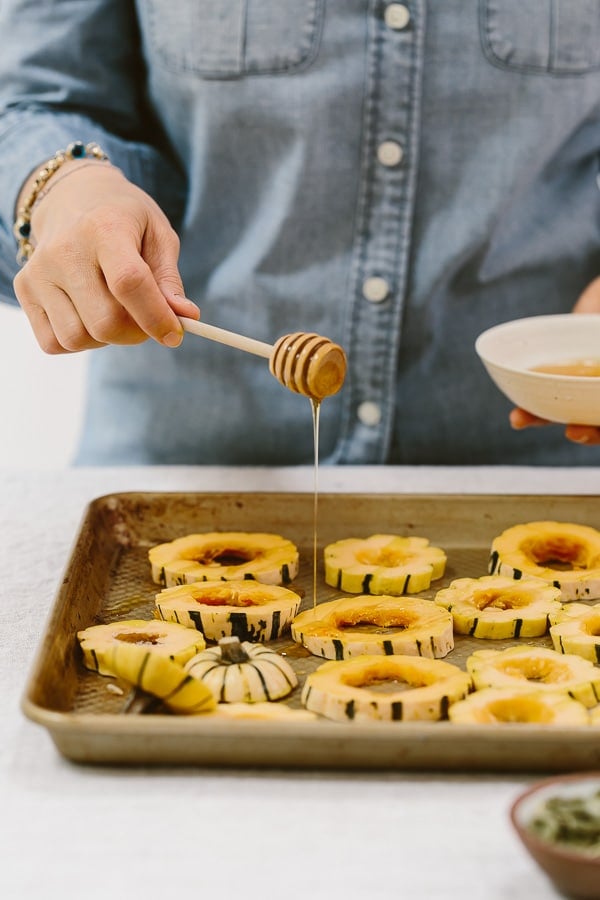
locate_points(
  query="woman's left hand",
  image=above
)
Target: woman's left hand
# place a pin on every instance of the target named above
(579, 434)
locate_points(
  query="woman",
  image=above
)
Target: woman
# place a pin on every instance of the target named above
(395, 176)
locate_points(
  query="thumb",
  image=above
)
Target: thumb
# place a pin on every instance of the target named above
(161, 252)
(180, 304)
(589, 301)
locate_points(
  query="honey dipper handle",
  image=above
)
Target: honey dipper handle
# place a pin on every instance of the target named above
(259, 348)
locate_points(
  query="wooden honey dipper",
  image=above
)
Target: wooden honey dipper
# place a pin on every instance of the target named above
(303, 362)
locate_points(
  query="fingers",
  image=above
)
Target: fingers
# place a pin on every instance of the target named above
(519, 419)
(57, 327)
(161, 251)
(70, 307)
(55, 322)
(583, 434)
(131, 281)
(181, 306)
(589, 301)
(142, 278)
(578, 434)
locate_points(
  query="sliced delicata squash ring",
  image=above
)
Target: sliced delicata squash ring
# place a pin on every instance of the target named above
(226, 556)
(536, 669)
(576, 629)
(261, 711)
(564, 554)
(495, 607)
(385, 688)
(353, 626)
(383, 564)
(248, 610)
(161, 677)
(493, 706)
(165, 639)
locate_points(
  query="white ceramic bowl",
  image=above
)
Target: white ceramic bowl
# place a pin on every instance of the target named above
(509, 352)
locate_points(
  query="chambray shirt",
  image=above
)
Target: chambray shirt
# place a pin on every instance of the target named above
(396, 176)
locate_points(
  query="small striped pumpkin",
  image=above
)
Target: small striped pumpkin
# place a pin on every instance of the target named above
(238, 671)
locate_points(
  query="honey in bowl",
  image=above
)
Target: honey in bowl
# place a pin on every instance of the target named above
(580, 368)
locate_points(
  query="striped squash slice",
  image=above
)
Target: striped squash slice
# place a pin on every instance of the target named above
(225, 556)
(385, 688)
(595, 716)
(495, 607)
(563, 554)
(263, 711)
(576, 629)
(492, 706)
(248, 610)
(538, 669)
(383, 564)
(161, 677)
(354, 626)
(243, 672)
(165, 639)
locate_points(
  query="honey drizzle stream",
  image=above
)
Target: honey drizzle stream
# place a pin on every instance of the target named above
(316, 408)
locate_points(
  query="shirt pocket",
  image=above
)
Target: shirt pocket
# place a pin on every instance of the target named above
(557, 37)
(231, 38)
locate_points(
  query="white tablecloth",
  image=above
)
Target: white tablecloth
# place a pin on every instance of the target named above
(90, 832)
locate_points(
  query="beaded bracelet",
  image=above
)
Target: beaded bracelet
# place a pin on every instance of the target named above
(22, 227)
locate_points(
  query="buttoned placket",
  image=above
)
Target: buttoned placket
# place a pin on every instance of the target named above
(381, 251)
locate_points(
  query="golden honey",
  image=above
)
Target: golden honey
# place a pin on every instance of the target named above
(581, 368)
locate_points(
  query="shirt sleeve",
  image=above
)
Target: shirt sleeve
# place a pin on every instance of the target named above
(74, 70)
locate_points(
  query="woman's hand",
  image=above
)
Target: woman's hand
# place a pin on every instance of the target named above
(579, 434)
(105, 266)
(589, 302)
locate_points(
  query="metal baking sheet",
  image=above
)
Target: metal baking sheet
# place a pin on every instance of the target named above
(108, 577)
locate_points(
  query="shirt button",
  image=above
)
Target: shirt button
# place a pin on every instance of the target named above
(375, 289)
(369, 413)
(397, 16)
(389, 153)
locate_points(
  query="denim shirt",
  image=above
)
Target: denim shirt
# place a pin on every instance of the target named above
(396, 176)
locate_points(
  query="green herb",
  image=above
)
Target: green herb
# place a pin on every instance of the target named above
(572, 821)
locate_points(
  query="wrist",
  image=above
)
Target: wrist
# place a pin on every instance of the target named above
(39, 184)
(80, 180)
(68, 169)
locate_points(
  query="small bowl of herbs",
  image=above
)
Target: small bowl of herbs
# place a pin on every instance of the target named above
(558, 821)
